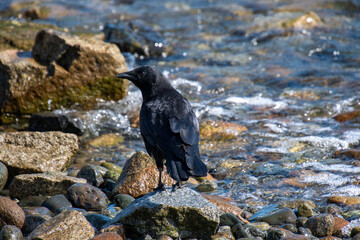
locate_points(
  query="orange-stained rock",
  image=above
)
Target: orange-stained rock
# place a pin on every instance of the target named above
(343, 117)
(107, 236)
(225, 205)
(339, 224)
(344, 200)
(219, 131)
(349, 153)
(118, 228)
(140, 176)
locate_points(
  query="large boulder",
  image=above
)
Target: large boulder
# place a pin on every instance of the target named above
(183, 213)
(69, 225)
(45, 184)
(67, 70)
(35, 152)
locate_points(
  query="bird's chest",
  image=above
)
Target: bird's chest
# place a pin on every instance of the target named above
(155, 116)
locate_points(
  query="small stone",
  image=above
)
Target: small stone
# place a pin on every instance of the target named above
(344, 200)
(107, 140)
(223, 233)
(348, 153)
(241, 230)
(88, 197)
(339, 224)
(123, 200)
(11, 213)
(11, 232)
(305, 210)
(300, 221)
(32, 201)
(97, 220)
(37, 211)
(111, 166)
(229, 219)
(107, 236)
(70, 225)
(3, 175)
(289, 227)
(348, 116)
(32, 222)
(119, 229)
(113, 175)
(165, 237)
(321, 225)
(91, 174)
(281, 216)
(206, 186)
(333, 210)
(56, 202)
(263, 226)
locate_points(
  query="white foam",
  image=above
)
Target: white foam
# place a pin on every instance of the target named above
(182, 81)
(323, 142)
(257, 101)
(352, 137)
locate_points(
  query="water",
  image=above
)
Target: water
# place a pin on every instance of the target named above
(282, 69)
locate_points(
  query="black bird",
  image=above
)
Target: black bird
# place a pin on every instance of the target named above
(168, 126)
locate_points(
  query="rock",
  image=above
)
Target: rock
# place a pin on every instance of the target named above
(91, 174)
(113, 167)
(11, 232)
(136, 37)
(66, 225)
(32, 201)
(290, 227)
(263, 226)
(241, 230)
(51, 121)
(220, 131)
(140, 176)
(3, 175)
(356, 237)
(119, 229)
(68, 70)
(305, 210)
(112, 175)
(88, 197)
(123, 200)
(307, 21)
(223, 233)
(348, 116)
(300, 221)
(206, 186)
(279, 233)
(348, 153)
(224, 205)
(182, 213)
(97, 220)
(10, 213)
(37, 211)
(46, 184)
(34, 152)
(32, 222)
(277, 217)
(321, 225)
(107, 140)
(344, 200)
(107, 236)
(229, 219)
(55, 202)
(339, 225)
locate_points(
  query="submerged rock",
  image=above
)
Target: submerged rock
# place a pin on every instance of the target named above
(66, 225)
(179, 214)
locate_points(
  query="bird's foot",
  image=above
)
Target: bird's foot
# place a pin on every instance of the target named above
(160, 187)
(177, 186)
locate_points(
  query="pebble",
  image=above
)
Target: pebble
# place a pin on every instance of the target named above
(305, 210)
(88, 197)
(10, 232)
(107, 236)
(97, 220)
(32, 222)
(224, 232)
(3, 175)
(321, 225)
(123, 200)
(31, 201)
(113, 175)
(207, 186)
(56, 202)
(300, 221)
(344, 200)
(111, 166)
(241, 230)
(91, 174)
(118, 228)
(229, 219)
(11, 213)
(279, 217)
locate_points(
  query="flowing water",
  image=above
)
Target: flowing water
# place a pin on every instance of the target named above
(283, 69)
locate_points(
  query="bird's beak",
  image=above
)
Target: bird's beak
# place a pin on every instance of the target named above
(127, 75)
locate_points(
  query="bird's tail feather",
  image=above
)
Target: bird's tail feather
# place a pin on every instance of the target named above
(200, 169)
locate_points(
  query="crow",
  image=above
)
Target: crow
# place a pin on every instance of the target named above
(168, 126)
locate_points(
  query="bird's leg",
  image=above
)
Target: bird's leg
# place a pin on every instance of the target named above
(160, 186)
(177, 185)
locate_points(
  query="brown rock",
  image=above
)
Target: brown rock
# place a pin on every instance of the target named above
(219, 131)
(349, 153)
(321, 225)
(348, 116)
(307, 21)
(45, 184)
(107, 236)
(84, 195)
(338, 226)
(224, 205)
(119, 229)
(140, 176)
(274, 233)
(67, 225)
(11, 213)
(344, 200)
(224, 232)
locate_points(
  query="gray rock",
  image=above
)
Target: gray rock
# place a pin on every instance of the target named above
(97, 220)
(242, 230)
(10, 232)
(207, 186)
(86, 196)
(32, 201)
(123, 200)
(34, 152)
(91, 174)
(321, 225)
(32, 222)
(46, 184)
(229, 219)
(10, 213)
(182, 213)
(3, 175)
(55, 202)
(280, 216)
(68, 225)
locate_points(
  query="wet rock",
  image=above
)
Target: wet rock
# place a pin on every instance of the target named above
(136, 37)
(3, 175)
(348, 153)
(263, 226)
(181, 213)
(31, 201)
(123, 200)
(348, 116)
(10, 213)
(355, 231)
(88, 197)
(339, 225)
(70, 69)
(34, 152)
(107, 236)
(46, 184)
(97, 220)
(91, 174)
(307, 21)
(32, 222)
(321, 225)
(333, 210)
(55, 202)
(113, 175)
(11, 232)
(220, 131)
(37, 211)
(356, 237)
(51, 121)
(300, 221)
(113, 167)
(107, 140)
(241, 230)
(207, 186)
(229, 219)
(277, 217)
(225, 205)
(119, 229)
(344, 200)
(66, 225)
(289, 227)
(305, 210)
(223, 233)
(140, 176)
(279, 233)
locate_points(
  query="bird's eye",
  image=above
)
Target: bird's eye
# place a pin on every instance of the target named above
(142, 74)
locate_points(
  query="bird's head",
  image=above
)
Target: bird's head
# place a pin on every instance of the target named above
(147, 79)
